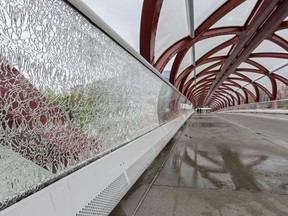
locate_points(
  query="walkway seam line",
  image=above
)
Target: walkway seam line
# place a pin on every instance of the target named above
(157, 174)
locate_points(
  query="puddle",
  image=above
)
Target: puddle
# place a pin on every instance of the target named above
(224, 167)
(201, 124)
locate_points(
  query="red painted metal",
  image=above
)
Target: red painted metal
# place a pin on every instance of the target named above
(222, 92)
(269, 55)
(149, 22)
(283, 25)
(170, 52)
(236, 92)
(176, 64)
(279, 41)
(185, 73)
(231, 90)
(278, 77)
(267, 17)
(180, 55)
(223, 95)
(202, 29)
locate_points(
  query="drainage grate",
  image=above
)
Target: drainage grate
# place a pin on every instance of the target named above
(104, 203)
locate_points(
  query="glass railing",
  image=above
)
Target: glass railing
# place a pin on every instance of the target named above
(277, 105)
(69, 95)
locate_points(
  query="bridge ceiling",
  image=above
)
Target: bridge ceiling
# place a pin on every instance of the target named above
(218, 53)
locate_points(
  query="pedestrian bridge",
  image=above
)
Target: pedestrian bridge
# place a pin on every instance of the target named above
(84, 114)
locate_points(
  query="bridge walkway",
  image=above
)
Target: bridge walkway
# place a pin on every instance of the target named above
(218, 164)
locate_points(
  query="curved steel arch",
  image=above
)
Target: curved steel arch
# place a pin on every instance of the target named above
(222, 91)
(148, 28)
(243, 98)
(186, 73)
(204, 27)
(225, 96)
(225, 88)
(279, 41)
(203, 60)
(232, 91)
(265, 19)
(182, 53)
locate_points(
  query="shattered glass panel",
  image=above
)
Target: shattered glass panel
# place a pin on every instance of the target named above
(67, 93)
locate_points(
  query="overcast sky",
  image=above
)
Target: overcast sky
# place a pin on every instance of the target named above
(122, 15)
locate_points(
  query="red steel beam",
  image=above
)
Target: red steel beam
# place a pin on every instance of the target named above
(268, 16)
(279, 41)
(200, 31)
(148, 28)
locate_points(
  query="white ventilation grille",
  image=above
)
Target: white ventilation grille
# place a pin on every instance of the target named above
(104, 203)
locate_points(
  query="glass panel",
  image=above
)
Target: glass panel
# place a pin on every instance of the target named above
(234, 76)
(204, 8)
(283, 33)
(204, 66)
(265, 81)
(281, 104)
(200, 68)
(172, 25)
(251, 75)
(240, 91)
(235, 95)
(233, 87)
(191, 75)
(263, 97)
(251, 88)
(203, 46)
(238, 16)
(270, 63)
(204, 77)
(187, 61)
(283, 72)
(282, 91)
(223, 97)
(167, 70)
(241, 83)
(268, 46)
(125, 22)
(245, 65)
(223, 52)
(68, 92)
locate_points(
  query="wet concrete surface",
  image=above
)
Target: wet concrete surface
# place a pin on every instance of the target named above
(214, 168)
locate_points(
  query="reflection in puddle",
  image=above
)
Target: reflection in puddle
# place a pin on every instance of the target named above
(223, 168)
(200, 124)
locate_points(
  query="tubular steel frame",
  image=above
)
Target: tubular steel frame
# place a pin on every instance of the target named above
(213, 90)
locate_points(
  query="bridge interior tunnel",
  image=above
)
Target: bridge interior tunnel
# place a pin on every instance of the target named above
(218, 53)
(83, 112)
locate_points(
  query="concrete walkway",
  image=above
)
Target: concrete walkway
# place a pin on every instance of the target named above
(212, 167)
